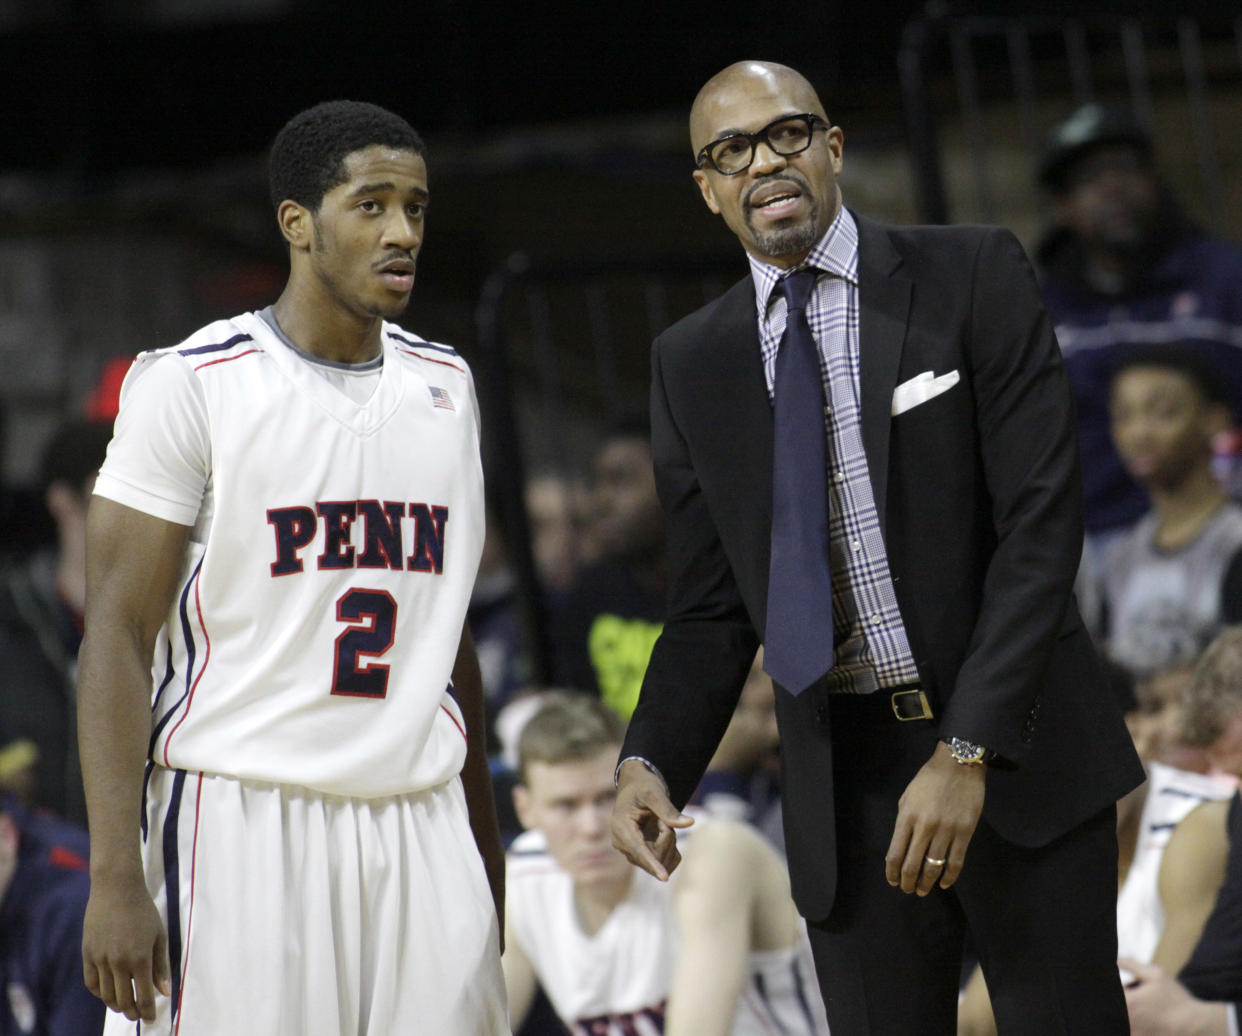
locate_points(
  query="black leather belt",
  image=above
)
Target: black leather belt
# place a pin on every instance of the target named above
(907, 702)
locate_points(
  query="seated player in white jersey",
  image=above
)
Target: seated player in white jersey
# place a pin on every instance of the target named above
(717, 951)
(1172, 847)
(281, 719)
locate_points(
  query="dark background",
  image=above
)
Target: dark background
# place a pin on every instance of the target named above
(90, 87)
(133, 202)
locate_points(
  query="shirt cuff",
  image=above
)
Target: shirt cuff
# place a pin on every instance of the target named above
(1231, 1016)
(616, 774)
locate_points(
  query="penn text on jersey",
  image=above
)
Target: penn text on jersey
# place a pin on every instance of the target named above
(383, 535)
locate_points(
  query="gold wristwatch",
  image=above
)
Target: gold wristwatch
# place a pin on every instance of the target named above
(966, 752)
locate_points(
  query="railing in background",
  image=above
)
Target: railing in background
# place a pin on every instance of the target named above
(563, 349)
(1004, 81)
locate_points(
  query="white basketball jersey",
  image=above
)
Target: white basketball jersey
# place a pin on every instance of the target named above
(326, 583)
(616, 982)
(1171, 795)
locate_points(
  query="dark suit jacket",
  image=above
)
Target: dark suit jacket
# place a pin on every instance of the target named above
(979, 501)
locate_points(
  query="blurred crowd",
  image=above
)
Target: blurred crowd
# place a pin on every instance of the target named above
(1147, 308)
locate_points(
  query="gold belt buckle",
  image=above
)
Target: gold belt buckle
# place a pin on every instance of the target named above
(924, 705)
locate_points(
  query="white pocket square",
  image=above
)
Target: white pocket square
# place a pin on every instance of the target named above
(920, 389)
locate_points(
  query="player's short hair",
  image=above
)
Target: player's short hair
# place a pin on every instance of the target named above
(1183, 359)
(308, 155)
(1213, 696)
(567, 728)
(75, 453)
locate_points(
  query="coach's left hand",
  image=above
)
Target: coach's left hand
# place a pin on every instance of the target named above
(936, 817)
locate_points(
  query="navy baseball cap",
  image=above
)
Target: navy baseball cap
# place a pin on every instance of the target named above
(1089, 127)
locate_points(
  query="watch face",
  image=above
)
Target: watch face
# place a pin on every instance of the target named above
(965, 751)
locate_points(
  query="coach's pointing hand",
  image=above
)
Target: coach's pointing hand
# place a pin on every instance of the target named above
(125, 948)
(644, 821)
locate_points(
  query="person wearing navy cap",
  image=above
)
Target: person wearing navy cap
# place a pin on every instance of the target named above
(44, 886)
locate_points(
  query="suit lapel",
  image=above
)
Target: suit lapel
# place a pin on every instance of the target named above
(884, 307)
(736, 413)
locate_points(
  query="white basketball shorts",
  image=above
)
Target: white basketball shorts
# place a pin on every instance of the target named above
(292, 913)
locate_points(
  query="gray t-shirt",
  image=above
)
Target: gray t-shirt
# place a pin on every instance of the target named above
(1164, 607)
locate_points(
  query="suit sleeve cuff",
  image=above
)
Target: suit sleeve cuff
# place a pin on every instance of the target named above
(616, 774)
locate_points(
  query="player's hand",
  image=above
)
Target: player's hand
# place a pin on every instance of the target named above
(125, 947)
(1159, 1005)
(936, 818)
(644, 821)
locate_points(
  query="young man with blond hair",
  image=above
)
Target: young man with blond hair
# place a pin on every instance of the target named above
(719, 952)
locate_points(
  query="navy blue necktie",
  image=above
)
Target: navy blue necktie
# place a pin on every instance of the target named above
(797, 648)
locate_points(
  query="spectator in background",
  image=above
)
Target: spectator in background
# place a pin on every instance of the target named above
(1160, 582)
(1124, 267)
(1206, 998)
(17, 767)
(41, 605)
(556, 533)
(43, 890)
(495, 622)
(604, 628)
(719, 951)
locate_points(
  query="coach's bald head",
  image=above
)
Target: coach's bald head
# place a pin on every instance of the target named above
(748, 78)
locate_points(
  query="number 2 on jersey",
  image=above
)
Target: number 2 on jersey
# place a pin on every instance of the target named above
(374, 615)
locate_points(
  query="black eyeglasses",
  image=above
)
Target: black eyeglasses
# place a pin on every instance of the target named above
(788, 135)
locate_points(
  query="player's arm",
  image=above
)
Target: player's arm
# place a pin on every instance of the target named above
(475, 775)
(974, 1009)
(1158, 1004)
(520, 978)
(713, 902)
(133, 563)
(1192, 870)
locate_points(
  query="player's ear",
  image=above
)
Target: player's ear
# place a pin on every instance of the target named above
(521, 805)
(296, 224)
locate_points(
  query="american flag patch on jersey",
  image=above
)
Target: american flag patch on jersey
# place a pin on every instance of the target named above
(440, 399)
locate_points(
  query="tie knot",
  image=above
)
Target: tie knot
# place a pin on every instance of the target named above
(797, 288)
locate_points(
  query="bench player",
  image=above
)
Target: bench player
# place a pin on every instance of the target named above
(276, 678)
(718, 951)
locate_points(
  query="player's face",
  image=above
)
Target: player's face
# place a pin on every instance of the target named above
(782, 205)
(571, 803)
(1156, 724)
(368, 232)
(1161, 425)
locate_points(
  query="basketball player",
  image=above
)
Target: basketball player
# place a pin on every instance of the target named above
(719, 951)
(280, 705)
